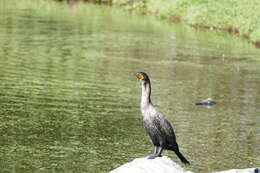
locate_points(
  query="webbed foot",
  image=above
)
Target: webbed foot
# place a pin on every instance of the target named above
(153, 156)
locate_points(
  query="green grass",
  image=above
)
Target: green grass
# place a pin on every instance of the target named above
(240, 15)
(50, 8)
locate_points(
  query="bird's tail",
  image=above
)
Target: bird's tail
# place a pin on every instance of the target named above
(182, 158)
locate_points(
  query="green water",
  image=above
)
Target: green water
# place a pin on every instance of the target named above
(68, 102)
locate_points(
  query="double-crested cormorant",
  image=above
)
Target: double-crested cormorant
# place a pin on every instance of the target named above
(158, 128)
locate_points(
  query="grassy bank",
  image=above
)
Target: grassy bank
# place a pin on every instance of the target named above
(240, 17)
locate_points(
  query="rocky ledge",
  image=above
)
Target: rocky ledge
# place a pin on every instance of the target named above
(164, 165)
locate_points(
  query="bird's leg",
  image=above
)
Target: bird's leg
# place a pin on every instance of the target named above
(157, 152)
(154, 154)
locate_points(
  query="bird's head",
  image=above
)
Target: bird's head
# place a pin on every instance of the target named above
(142, 77)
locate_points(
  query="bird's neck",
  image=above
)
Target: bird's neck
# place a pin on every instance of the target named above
(146, 94)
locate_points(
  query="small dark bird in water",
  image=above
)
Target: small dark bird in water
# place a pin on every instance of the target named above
(158, 128)
(207, 102)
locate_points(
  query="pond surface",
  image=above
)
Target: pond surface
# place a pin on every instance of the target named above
(69, 103)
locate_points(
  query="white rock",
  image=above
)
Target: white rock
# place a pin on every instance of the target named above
(144, 165)
(247, 170)
(165, 165)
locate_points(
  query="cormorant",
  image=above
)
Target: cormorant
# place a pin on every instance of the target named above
(158, 128)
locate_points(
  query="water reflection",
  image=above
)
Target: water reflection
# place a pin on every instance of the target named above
(69, 102)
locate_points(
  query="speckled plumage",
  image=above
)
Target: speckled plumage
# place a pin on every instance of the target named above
(158, 128)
